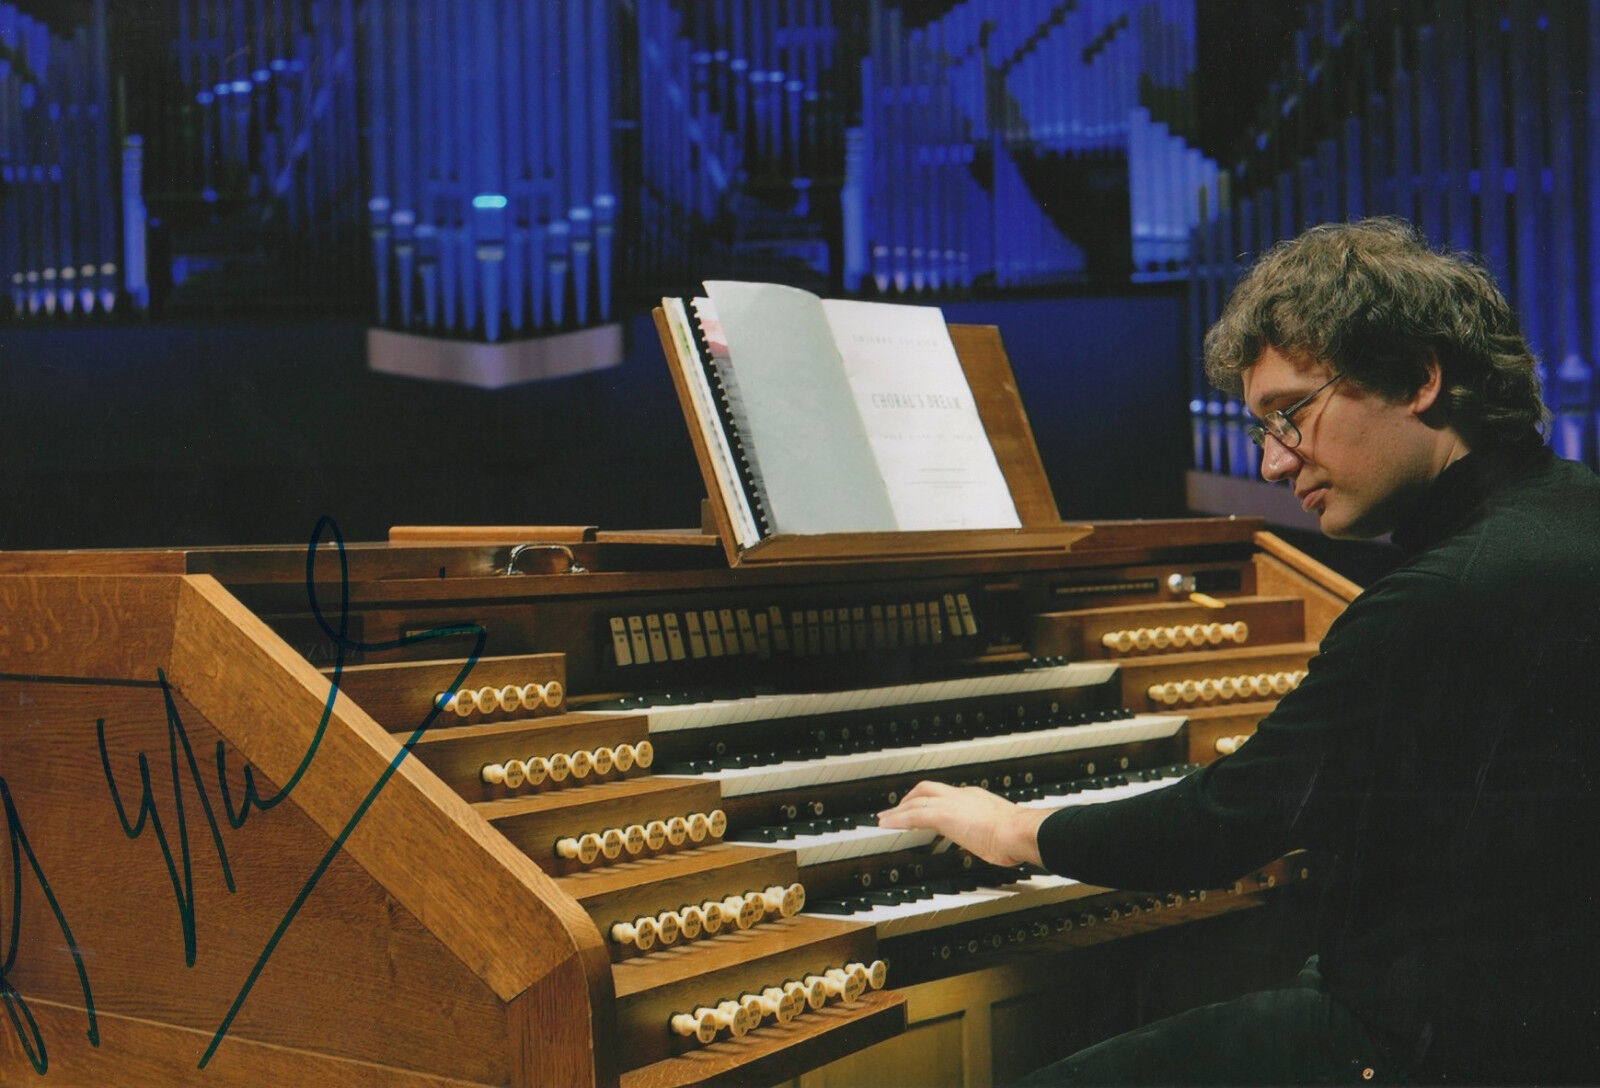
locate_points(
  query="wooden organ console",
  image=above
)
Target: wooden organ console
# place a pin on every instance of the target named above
(606, 818)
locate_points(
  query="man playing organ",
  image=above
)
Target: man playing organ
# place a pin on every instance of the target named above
(1439, 754)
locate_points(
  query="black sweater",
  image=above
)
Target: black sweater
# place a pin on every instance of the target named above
(1441, 756)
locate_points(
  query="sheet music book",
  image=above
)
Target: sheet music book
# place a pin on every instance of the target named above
(835, 416)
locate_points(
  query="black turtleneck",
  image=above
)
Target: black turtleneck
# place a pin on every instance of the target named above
(1442, 758)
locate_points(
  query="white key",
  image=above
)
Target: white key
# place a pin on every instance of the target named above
(665, 719)
(852, 766)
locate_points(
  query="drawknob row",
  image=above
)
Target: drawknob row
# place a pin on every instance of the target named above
(780, 1003)
(1177, 637)
(1260, 685)
(508, 698)
(561, 766)
(693, 921)
(639, 839)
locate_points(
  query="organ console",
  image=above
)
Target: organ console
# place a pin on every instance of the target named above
(428, 812)
(530, 852)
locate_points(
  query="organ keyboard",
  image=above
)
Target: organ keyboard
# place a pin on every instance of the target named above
(532, 829)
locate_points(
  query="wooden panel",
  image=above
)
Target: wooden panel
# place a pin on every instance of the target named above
(1076, 635)
(492, 534)
(1209, 725)
(1138, 674)
(137, 1053)
(107, 628)
(400, 695)
(994, 391)
(1282, 570)
(419, 1007)
(482, 898)
(930, 1054)
(458, 755)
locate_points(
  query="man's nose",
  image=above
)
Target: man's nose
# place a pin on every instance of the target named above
(1277, 460)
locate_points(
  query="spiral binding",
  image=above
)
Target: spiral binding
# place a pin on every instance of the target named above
(741, 457)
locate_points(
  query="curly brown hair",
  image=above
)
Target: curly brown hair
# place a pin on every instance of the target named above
(1374, 301)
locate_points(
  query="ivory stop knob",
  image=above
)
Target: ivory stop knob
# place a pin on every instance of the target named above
(711, 913)
(622, 756)
(691, 922)
(537, 769)
(700, 1025)
(677, 830)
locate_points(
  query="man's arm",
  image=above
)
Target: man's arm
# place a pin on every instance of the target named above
(1292, 785)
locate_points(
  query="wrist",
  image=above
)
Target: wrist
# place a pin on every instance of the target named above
(1022, 834)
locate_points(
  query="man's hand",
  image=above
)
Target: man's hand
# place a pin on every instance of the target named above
(991, 827)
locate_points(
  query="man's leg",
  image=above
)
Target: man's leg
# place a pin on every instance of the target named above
(1293, 1035)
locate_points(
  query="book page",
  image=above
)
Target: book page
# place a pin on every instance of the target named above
(927, 439)
(711, 425)
(796, 412)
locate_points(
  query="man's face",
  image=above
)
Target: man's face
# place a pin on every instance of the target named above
(1361, 460)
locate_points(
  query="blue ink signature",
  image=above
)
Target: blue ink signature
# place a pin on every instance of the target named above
(178, 868)
(16, 1008)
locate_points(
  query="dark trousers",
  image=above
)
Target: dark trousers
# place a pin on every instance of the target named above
(1295, 1034)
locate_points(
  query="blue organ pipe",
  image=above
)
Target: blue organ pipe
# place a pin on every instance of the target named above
(899, 141)
(1375, 149)
(512, 37)
(462, 137)
(456, 59)
(1288, 221)
(1330, 204)
(380, 203)
(101, 266)
(403, 149)
(1574, 420)
(1561, 280)
(537, 165)
(558, 247)
(603, 185)
(1457, 137)
(914, 192)
(582, 130)
(1352, 155)
(487, 185)
(1402, 140)
(1308, 194)
(1527, 137)
(1591, 106)
(432, 69)
(10, 230)
(70, 80)
(134, 280)
(1492, 238)
(47, 154)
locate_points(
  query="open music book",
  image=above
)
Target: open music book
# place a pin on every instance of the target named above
(835, 416)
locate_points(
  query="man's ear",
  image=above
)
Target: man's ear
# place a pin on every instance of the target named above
(1427, 394)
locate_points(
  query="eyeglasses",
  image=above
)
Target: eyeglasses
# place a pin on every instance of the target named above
(1279, 424)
